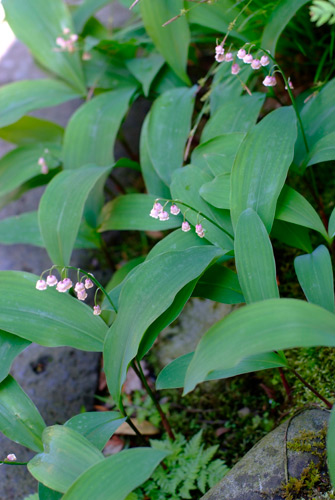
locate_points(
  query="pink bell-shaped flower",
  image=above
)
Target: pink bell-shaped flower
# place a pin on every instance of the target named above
(41, 285)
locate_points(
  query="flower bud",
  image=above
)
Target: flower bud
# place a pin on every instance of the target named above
(63, 286)
(11, 457)
(229, 57)
(88, 283)
(158, 207)
(163, 216)
(185, 226)
(154, 213)
(235, 69)
(248, 59)
(241, 53)
(82, 295)
(256, 64)
(219, 57)
(52, 280)
(96, 310)
(41, 285)
(79, 287)
(174, 210)
(264, 60)
(269, 81)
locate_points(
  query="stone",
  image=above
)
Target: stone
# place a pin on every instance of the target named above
(259, 475)
(61, 382)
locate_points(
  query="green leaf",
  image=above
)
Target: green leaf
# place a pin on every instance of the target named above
(67, 454)
(121, 273)
(217, 155)
(170, 272)
(177, 240)
(217, 191)
(61, 208)
(19, 98)
(226, 86)
(106, 480)
(29, 129)
(168, 128)
(331, 224)
(153, 182)
(97, 427)
(293, 207)
(85, 10)
(45, 493)
(145, 69)
(315, 275)
(132, 211)
(220, 284)
(277, 22)
(322, 150)
(261, 166)
(172, 40)
(37, 24)
(20, 420)
(318, 117)
(270, 325)
(331, 447)
(173, 375)
(21, 164)
(10, 347)
(185, 186)
(255, 263)
(24, 229)
(292, 235)
(239, 114)
(92, 129)
(47, 317)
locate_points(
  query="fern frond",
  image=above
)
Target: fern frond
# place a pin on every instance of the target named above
(323, 11)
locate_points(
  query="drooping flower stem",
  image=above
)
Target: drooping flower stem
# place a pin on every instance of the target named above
(139, 372)
(8, 462)
(311, 388)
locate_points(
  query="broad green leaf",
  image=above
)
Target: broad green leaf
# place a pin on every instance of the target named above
(269, 325)
(292, 235)
(331, 224)
(85, 10)
(239, 114)
(173, 375)
(106, 480)
(10, 347)
(315, 275)
(153, 182)
(177, 240)
(217, 191)
(37, 24)
(45, 493)
(47, 317)
(91, 132)
(323, 150)
(121, 273)
(331, 447)
(226, 86)
(293, 207)
(168, 316)
(24, 229)
(145, 69)
(132, 211)
(277, 22)
(61, 208)
(318, 117)
(20, 420)
(217, 155)
(97, 427)
(67, 454)
(185, 186)
(255, 262)
(168, 129)
(170, 272)
(29, 129)
(17, 99)
(21, 164)
(166, 80)
(261, 166)
(220, 284)
(172, 40)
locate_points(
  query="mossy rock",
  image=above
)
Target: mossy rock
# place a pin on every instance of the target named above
(283, 454)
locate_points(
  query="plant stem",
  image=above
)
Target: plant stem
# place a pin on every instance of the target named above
(139, 372)
(130, 422)
(6, 462)
(287, 388)
(314, 391)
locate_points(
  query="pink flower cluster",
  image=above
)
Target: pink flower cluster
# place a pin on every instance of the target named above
(247, 58)
(65, 285)
(67, 42)
(158, 212)
(43, 164)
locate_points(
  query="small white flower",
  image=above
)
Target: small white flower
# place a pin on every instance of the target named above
(235, 69)
(61, 42)
(88, 283)
(219, 57)
(73, 38)
(256, 64)
(185, 227)
(52, 280)
(11, 457)
(229, 57)
(163, 216)
(248, 59)
(174, 210)
(219, 49)
(158, 207)
(82, 295)
(269, 81)
(154, 213)
(79, 287)
(41, 285)
(199, 229)
(290, 84)
(96, 310)
(66, 31)
(265, 60)
(201, 234)
(63, 286)
(241, 53)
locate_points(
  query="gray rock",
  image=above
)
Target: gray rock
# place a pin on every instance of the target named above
(183, 335)
(261, 472)
(60, 381)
